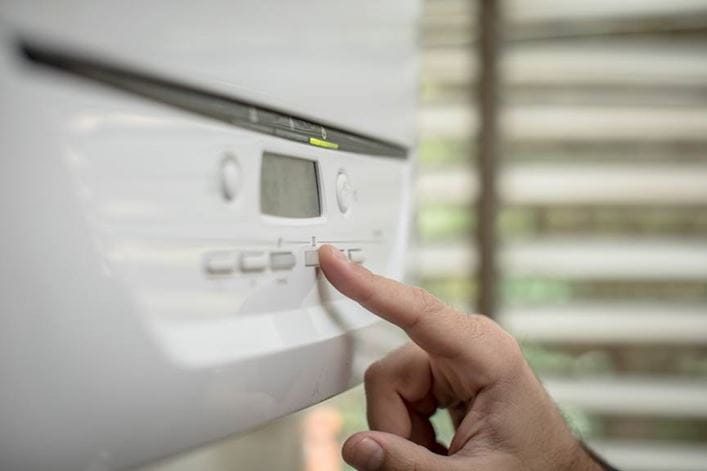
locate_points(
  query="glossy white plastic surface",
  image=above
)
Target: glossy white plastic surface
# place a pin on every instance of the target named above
(117, 344)
(344, 63)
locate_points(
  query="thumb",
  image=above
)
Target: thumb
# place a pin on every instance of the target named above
(380, 451)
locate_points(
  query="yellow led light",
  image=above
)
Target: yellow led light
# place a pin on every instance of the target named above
(322, 143)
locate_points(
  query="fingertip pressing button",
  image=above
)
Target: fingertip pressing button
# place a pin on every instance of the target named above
(311, 257)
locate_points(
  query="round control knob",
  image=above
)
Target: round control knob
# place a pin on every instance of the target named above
(344, 192)
(230, 178)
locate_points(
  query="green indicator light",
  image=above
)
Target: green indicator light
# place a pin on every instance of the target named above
(322, 143)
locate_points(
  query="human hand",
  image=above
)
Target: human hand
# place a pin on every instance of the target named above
(503, 417)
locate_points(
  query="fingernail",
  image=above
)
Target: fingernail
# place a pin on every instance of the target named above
(368, 455)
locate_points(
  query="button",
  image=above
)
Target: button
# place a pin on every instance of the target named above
(282, 260)
(254, 261)
(357, 256)
(311, 258)
(220, 263)
(230, 178)
(344, 192)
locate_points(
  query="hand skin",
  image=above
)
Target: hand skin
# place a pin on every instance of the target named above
(503, 417)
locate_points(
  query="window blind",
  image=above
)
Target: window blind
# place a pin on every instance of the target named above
(602, 217)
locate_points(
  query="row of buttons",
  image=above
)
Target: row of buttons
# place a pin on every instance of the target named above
(225, 263)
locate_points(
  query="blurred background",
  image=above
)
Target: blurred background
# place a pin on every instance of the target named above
(561, 189)
(599, 205)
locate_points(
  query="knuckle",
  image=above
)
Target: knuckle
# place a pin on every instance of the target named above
(516, 359)
(510, 346)
(478, 325)
(484, 326)
(391, 366)
(374, 372)
(509, 349)
(429, 304)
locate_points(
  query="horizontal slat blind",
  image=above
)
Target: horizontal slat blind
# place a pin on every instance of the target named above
(603, 218)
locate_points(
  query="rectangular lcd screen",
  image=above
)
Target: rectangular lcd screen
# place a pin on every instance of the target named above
(289, 187)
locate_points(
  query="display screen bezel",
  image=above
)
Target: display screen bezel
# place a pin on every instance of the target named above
(304, 216)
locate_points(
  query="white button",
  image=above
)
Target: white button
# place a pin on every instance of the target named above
(230, 178)
(282, 260)
(254, 261)
(311, 258)
(344, 192)
(357, 256)
(220, 263)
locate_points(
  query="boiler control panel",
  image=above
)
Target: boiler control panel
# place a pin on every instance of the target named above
(160, 268)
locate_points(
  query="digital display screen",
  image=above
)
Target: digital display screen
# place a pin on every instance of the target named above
(289, 187)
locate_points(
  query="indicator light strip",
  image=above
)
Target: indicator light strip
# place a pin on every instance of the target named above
(228, 109)
(322, 143)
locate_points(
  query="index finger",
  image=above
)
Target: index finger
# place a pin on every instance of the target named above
(430, 323)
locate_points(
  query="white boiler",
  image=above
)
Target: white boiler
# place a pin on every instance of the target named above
(167, 172)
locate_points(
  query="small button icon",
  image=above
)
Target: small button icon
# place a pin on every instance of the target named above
(230, 178)
(344, 192)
